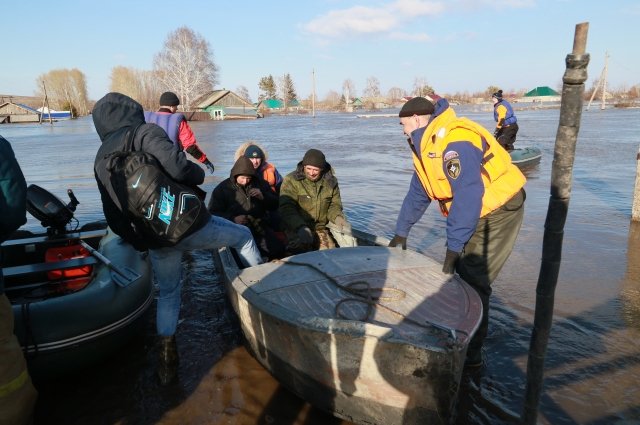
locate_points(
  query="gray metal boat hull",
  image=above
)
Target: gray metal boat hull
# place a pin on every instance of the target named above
(401, 362)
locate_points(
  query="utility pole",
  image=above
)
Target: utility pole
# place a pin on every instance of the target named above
(284, 91)
(45, 101)
(601, 84)
(313, 93)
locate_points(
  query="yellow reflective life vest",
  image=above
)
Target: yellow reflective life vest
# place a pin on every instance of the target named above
(501, 179)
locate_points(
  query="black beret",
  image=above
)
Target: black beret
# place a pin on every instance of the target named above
(416, 106)
(497, 95)
(315, 158)
(169, 99)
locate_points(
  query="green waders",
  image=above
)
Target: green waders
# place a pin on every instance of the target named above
(485, 254)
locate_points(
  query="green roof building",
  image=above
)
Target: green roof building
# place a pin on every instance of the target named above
(542, 94)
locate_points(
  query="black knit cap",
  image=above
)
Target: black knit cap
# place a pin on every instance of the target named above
(416, 106)
(253, 151)
(315, 158)
(169, 98)
(497, 95)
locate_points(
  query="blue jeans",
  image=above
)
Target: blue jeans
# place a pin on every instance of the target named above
(167, 264)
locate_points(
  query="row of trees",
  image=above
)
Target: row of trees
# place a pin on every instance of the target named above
(283, 89)
(186, 66)
(65, 89)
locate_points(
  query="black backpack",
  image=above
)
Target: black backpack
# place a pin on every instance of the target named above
(162, 210)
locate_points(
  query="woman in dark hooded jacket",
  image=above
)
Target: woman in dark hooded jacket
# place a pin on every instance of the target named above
(247, 200)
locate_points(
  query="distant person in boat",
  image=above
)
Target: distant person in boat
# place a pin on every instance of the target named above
(259, 157)
(247, 200)
(113, 116)
(506, 121)
(309, 199)
(480, 192)
(177, 127)
(17, 394)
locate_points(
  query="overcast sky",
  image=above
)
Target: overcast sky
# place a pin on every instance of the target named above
(455, 46)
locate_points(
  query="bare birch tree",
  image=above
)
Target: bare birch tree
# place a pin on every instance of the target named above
(372, 92)
(66, 90)
(348, 86)
(332, 99)
(185, 65)
(243, 92)
(421, 88)
(396, 93)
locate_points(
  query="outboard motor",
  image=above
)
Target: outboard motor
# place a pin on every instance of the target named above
(53, 214)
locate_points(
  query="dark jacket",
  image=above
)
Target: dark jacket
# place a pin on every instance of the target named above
(307, 203)
(13, 195)
(230, 200)
(113, 115)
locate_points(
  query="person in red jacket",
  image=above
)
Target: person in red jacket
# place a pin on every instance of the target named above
(177, 127)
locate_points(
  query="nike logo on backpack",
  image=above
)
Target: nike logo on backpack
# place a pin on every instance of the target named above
(135, 185)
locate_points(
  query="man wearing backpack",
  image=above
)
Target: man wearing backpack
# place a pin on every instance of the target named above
(116, 117)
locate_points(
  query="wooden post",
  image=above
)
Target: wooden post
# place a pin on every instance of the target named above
(561, 175)
(635, 209)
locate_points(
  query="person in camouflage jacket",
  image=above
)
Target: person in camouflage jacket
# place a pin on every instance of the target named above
(309, 199)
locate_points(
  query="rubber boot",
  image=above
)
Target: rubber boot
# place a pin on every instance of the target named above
(168, 359)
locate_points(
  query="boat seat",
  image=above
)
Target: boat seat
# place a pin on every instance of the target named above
(49, 266)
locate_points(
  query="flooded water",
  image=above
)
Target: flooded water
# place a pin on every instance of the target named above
(593, 359)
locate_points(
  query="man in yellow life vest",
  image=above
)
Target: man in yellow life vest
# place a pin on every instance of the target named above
(462, 167)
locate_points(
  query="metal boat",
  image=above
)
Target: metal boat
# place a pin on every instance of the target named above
(371, 334)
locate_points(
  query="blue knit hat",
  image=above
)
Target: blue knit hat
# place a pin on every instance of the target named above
(253, 151)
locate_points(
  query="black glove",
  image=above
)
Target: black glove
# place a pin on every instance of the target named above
(305, 236)
(450, 262)
(496, 133)
(209, 165)
(398, 240)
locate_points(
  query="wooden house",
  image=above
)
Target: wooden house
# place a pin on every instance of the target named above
(15, 112)
(224, 104)
(541, 94)
(270, 105)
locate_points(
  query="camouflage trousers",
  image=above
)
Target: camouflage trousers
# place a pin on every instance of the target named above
(322, 239)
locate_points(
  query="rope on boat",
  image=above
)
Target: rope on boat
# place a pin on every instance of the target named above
(365, 294)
